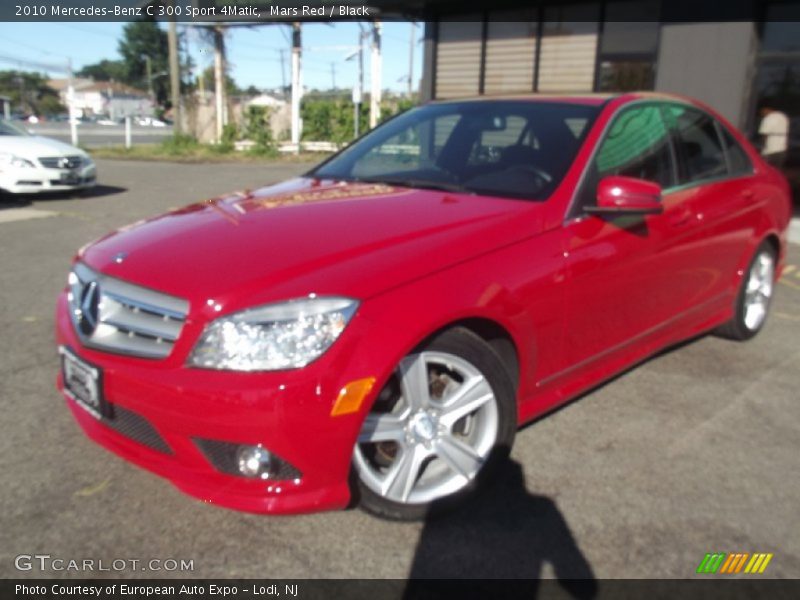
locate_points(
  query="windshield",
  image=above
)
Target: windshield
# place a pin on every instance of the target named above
(505, 148)
(7, 128)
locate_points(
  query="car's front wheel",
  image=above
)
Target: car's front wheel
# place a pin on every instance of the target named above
(753, 299)
(437, 429)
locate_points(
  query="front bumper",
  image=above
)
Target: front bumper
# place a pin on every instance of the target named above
(288, 412)
(35, 180)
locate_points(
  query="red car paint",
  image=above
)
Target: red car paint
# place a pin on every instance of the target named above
(581, 298)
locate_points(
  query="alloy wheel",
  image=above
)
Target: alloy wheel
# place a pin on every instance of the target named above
(430, 432)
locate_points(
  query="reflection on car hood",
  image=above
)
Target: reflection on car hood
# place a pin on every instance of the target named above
(35, 146)
(307, 236)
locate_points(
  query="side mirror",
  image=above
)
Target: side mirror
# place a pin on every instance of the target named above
(617, 195)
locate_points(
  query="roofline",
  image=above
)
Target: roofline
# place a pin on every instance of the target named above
(593, 98)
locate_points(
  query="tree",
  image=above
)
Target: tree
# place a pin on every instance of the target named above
(143, 40)
(187, 64)
(30, 93)
(208, 81)
(105, 70)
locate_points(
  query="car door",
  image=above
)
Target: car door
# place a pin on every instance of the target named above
(719, 193)
(619, 285)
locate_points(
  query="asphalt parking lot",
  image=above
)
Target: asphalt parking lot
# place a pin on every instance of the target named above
(695, 451)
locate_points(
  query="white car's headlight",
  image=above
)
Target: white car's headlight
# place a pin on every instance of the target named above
(287, 335)
(11, 160)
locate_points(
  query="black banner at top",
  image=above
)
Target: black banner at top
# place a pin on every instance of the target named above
(276, 11)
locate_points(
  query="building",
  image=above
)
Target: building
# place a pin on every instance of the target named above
(108, 98)
(5, 107)
(267, 100)
(744, 51)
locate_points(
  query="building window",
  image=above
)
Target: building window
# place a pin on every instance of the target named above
(568, 48)
(781, 32)
(628, 48)
(510, 52)
(458, 58)
(626, 75)
(778, 80)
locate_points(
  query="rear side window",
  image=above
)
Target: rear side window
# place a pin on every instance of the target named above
(738, 162)
(698, 144)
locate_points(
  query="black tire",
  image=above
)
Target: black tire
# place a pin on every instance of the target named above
(737, 328)
(469, 347)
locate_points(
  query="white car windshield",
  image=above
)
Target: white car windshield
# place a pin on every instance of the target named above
(7, 128)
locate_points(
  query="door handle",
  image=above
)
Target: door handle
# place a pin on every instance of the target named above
(681, 217)
(748, 194)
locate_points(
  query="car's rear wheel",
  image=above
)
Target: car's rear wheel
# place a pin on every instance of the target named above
(753, 299)
(437, 429)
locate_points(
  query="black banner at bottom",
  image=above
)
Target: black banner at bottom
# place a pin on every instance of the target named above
(373, 589)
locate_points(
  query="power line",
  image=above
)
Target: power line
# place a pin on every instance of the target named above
(62, 68)
(87, 30)
(28, 46)
(255, 46)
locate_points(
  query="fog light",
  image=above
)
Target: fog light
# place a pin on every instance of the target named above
(254, 461)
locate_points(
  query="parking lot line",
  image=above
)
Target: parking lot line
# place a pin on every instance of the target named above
(23, 214)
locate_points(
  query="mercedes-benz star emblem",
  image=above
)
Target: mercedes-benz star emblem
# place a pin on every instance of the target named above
(89, 308)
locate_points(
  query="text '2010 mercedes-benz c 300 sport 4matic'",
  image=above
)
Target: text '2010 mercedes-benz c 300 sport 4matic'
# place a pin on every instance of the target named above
(377, 330)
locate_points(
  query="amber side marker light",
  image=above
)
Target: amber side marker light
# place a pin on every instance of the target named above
(351, 396)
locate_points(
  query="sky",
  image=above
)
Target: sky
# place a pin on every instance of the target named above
(254, 53)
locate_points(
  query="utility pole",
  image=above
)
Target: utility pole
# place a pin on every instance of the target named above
(412, 43)
(283, 71)
(375, 76)
(333, 75)
(358, 98)
(73, 119)
(297, 84)
(149, 70)
(219, 79)
(174, 75)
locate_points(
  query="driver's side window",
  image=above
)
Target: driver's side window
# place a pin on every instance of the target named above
(637, 144)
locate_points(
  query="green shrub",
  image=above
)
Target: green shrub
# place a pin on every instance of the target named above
(230, 133)
(179, 143)
(259, 130)
(331, 119)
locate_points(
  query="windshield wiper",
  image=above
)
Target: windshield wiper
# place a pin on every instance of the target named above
(418, 183)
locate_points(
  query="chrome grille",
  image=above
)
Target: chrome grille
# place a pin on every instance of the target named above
(61, 162)
(111, 314)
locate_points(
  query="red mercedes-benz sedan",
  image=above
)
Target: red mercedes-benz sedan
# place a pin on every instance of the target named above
(378, 329)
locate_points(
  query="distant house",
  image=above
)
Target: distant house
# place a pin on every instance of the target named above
(110, 98)
(265, 100)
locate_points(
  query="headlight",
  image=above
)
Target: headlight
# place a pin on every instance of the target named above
(12, 160)
(272, 337)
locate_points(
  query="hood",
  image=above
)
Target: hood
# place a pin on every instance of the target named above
(35, 146)
(309, 236)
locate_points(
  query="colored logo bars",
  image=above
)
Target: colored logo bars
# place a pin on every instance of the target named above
(733, 563)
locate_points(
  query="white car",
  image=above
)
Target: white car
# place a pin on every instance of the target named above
(150, 122)
(31, 163)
